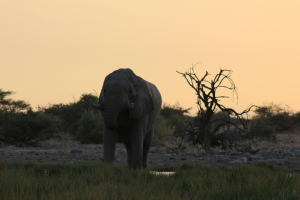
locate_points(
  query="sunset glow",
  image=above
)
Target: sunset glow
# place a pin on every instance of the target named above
(54, 51)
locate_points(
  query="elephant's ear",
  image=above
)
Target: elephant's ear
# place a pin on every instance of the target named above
(143, 102)
(101, 97)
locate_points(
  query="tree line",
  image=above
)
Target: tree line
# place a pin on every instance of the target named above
(22, 126)
(213, 125)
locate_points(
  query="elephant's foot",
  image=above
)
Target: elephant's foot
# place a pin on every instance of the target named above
(144, 165)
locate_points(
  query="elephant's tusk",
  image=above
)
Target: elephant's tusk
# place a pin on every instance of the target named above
(97, 106)
(130, 105)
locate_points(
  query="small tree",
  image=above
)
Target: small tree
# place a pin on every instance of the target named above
(8, 105)
(208, 103)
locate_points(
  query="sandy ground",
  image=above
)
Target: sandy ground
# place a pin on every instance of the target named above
(286, 153)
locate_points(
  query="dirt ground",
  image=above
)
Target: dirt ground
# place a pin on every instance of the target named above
(284, 152)
(283, 140)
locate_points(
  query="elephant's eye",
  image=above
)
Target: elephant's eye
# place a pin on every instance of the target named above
(104, 91)
(131, 93)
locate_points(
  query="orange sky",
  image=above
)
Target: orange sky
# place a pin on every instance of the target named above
(52, 51)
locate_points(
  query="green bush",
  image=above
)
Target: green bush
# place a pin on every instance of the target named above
(172, 121)
(90, 128)
(168, 110)
(71, 113)
(259, 128)
(20, 126)
(178, 123)
(23, 129)
(163, 131)
(278, 117)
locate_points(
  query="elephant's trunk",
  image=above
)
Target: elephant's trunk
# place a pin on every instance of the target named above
(114, 104)
(110, 115)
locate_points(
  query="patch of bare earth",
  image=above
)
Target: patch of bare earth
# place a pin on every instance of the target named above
(283, 140)
(284, 152)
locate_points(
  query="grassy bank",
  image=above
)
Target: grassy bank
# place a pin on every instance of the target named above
(104, 181)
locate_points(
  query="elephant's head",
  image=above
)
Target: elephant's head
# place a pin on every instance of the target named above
(123, 91)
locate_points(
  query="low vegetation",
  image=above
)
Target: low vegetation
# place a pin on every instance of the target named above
(105, 181)
(20, 125)
(213, 125)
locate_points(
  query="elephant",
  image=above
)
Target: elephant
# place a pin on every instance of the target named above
(129, 106)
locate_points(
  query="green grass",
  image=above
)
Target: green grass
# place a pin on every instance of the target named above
(105, 181)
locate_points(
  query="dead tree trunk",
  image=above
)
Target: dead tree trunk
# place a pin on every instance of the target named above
(208, 102)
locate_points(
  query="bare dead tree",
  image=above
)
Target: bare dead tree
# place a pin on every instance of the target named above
(208, 103)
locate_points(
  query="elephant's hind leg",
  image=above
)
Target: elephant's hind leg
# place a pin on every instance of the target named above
(146, 146)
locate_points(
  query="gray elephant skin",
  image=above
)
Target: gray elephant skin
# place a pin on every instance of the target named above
(129, 106)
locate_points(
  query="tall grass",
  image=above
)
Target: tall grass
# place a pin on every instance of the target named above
(106, 181)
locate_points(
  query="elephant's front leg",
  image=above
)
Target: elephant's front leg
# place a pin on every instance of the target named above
(109, 143)
(136, 138)
(137, 152)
